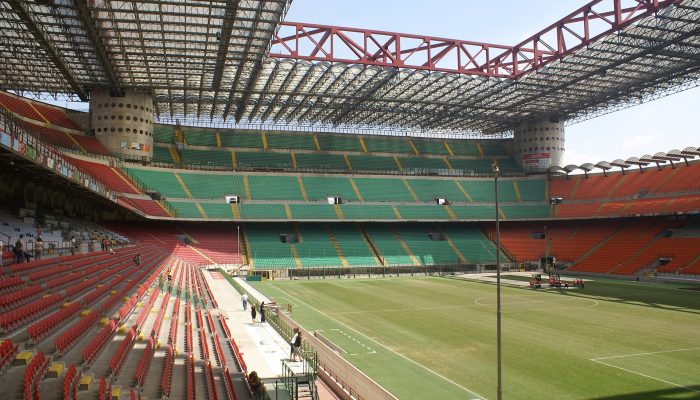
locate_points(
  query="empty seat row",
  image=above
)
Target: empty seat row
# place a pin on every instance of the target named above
(97, 344)
(70, 383)
(42, 327)
(8, 351)
(68, 338)
(117, 361)
(33, 374)
(16, 317)
(145, 362)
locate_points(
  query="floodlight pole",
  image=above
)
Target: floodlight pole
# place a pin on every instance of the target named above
(496, 172)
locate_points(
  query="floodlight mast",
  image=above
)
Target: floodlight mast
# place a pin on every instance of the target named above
(496, 172)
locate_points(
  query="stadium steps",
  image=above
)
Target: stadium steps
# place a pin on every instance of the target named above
(451, 243)
(341, 256)
(405, 247)
(295, 254)
(370, 243)
(516, 189)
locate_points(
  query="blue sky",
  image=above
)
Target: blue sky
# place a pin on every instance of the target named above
(661, 125)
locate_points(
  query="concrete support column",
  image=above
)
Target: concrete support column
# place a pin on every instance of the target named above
(123, 124)
(539, 145)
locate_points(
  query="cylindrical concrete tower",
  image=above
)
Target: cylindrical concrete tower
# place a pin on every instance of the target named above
(124, 124)
(539, 145)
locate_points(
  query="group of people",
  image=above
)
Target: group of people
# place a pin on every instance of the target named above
(253, 311)
(295, 343)
(21, 254)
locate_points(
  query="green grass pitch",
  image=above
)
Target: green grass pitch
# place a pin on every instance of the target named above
(435, 338)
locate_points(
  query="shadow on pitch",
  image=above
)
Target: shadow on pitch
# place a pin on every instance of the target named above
(666, 394)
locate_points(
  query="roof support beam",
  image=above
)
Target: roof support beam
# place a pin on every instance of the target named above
(224, 41)
(22, 11)
(95, 39)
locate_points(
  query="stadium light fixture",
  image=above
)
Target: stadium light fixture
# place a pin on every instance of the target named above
(496, 172)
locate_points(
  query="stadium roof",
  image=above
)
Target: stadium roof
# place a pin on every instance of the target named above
(237, 61)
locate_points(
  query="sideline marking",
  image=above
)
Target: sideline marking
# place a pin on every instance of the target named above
(382, 345)
(645, 354)
(644, 375)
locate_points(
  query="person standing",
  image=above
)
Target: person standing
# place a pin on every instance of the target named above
(137, 259)
(73, 245)
(262, 312)
(244, 300)
(38, 248)
(253, 313)
(296, 345)
(19, 249)
(1, 253)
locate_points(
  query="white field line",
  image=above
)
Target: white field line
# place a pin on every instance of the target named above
(382, 345)
(645, 354)
(645, 375)
(342, 332)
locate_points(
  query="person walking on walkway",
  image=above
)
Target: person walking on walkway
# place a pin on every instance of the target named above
(262, 312)
(244, 300)
(253, 313)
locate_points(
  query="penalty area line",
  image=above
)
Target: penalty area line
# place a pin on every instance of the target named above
(384, 346)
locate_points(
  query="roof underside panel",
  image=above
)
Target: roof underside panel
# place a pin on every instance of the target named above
(207, 60)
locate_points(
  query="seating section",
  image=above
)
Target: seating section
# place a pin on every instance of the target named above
(616, 253)
(122, 361)
(634, 183)
(472, 243)
(199, 136)
(56, 116)
(113, 178)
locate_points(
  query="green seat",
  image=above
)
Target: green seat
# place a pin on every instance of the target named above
(430, 189)
(290, 141)
(241, 138)
(483, 190)
(320, 187)
(186, 209)
(532, 190)
(321, 161)
(355, 249)
(251, 211)
(383, 144)
(206, 186)
(199, 136)
(162, 155)
(387, 245)
(383, 189)
(263, 160)
(426, 212)
(367, 212)
(210, 158)
(163, 133)
(474, 212)
(217, 211)
(268, 187)
(372, 163)
(336, 142)
(481, 166)
(428, 146)
(423, 164)
(463, 147)
(312, 211)
(161, 181)
(316, 248)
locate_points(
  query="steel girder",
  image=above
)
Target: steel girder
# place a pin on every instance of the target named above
(211, 59)
(590, 23)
